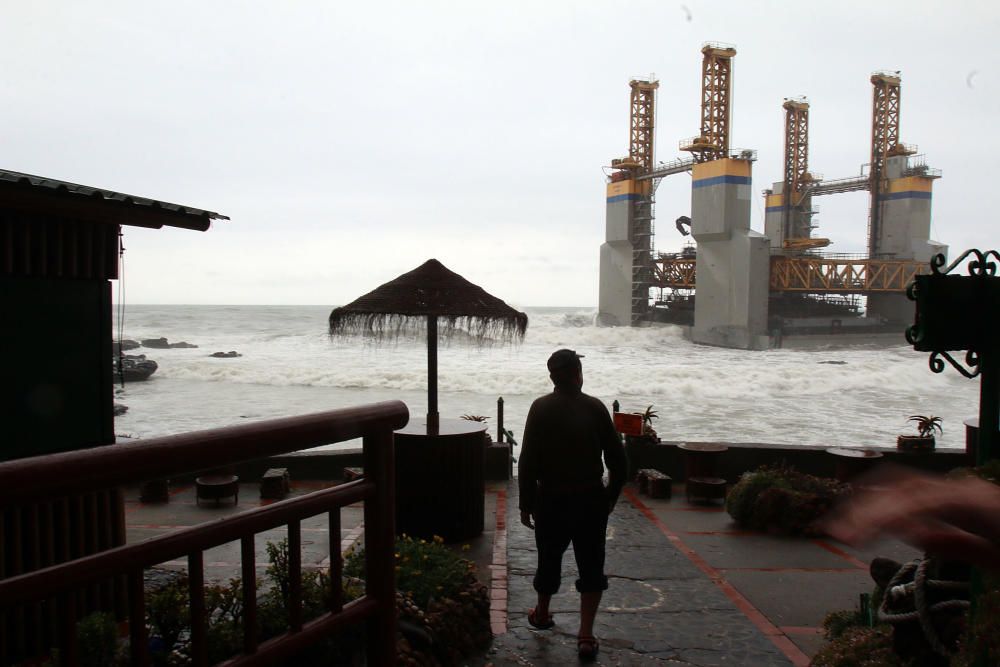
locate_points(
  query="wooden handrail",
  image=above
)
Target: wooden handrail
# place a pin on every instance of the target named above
(175, 544)
(40, 479)
(83, 470)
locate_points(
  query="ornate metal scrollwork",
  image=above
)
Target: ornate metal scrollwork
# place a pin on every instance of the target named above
(959, 313)
(980, 266)
(971, 360)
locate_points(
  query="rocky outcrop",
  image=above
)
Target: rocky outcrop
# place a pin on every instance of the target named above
(132, 367)
(163, 344)
(126, 344)
(225, 355)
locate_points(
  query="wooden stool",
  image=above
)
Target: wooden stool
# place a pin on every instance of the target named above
(705, 488)
(654, 483)
(217, 487)
(275, 483)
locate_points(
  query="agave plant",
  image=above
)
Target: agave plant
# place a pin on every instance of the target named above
(475, 418)
(649, 415)
(926, 424)
(647, 421)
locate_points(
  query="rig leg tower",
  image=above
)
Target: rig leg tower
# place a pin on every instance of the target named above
(899, 222)
(626, 255)
(732, 279)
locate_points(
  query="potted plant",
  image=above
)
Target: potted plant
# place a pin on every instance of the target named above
(924, 440)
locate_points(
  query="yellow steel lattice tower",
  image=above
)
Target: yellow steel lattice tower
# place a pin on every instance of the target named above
(716, 90)
(796, 148)
(641, 121)
(885, 143)
(796, 170)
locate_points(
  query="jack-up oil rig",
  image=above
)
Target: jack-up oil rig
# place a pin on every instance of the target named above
(737, 287)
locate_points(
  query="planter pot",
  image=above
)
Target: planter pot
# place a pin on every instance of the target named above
(915, 443)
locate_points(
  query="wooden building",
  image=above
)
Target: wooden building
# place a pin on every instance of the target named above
(59, 249)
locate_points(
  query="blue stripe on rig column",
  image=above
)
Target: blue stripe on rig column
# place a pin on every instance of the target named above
(775, 209)
(718, 180)
(625, 197)
(907, 194)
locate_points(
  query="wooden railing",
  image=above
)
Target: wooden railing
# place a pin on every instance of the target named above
(41, 479)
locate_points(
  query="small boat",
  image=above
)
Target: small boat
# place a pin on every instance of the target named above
(132, 367)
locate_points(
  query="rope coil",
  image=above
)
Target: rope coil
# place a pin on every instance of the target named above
(919, 588)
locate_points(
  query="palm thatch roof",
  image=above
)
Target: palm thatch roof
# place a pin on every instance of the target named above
(431, 289)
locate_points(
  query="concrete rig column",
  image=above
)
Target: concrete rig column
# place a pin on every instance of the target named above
(615, 289)
(903, 232)
(733, 260)
(783, 220)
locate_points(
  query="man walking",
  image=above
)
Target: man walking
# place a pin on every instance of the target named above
(560, 472)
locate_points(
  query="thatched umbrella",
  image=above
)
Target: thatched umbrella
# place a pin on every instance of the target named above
(430, 292)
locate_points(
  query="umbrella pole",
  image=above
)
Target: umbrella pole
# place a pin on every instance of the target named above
(433, 419)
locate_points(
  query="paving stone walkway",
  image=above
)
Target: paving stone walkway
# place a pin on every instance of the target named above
(660, 607)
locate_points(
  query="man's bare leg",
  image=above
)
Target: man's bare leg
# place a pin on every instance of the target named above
(542, 608)
(588, 611)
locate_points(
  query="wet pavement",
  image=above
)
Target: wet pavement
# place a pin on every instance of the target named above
(687, 588)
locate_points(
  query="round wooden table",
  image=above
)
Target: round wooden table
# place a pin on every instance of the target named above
(701, 459)
(216, 487)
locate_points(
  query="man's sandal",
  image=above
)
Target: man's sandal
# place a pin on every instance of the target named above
(538, 622)
(587, 648)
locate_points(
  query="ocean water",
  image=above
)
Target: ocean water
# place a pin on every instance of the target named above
(290, 366)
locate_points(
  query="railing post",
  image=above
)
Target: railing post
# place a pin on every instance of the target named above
(138, 639)
(500, 434)
(295, 575)
(380, 540)
(248, 567)
(199, 618)
(336, 563)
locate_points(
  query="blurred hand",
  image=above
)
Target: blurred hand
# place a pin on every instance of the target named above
(954, 518)
(526, 519)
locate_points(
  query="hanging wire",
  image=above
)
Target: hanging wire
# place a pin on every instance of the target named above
(121, 306)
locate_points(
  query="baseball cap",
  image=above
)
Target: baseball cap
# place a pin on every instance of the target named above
(562, 359)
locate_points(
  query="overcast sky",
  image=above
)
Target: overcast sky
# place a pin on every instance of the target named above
(349, 142)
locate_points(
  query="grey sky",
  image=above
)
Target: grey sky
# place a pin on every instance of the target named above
(349, 142)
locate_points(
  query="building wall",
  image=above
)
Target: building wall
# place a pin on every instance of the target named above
(56, 396)
(54, 278)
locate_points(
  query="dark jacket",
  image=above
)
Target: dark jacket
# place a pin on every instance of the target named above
(566, 435)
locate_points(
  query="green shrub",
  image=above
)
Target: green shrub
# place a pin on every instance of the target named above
(424, 570)
(837, 623)
(990, 471)
(982, 639)
(859, 647)
(97, 634)
(781, 499)
(168, 618)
